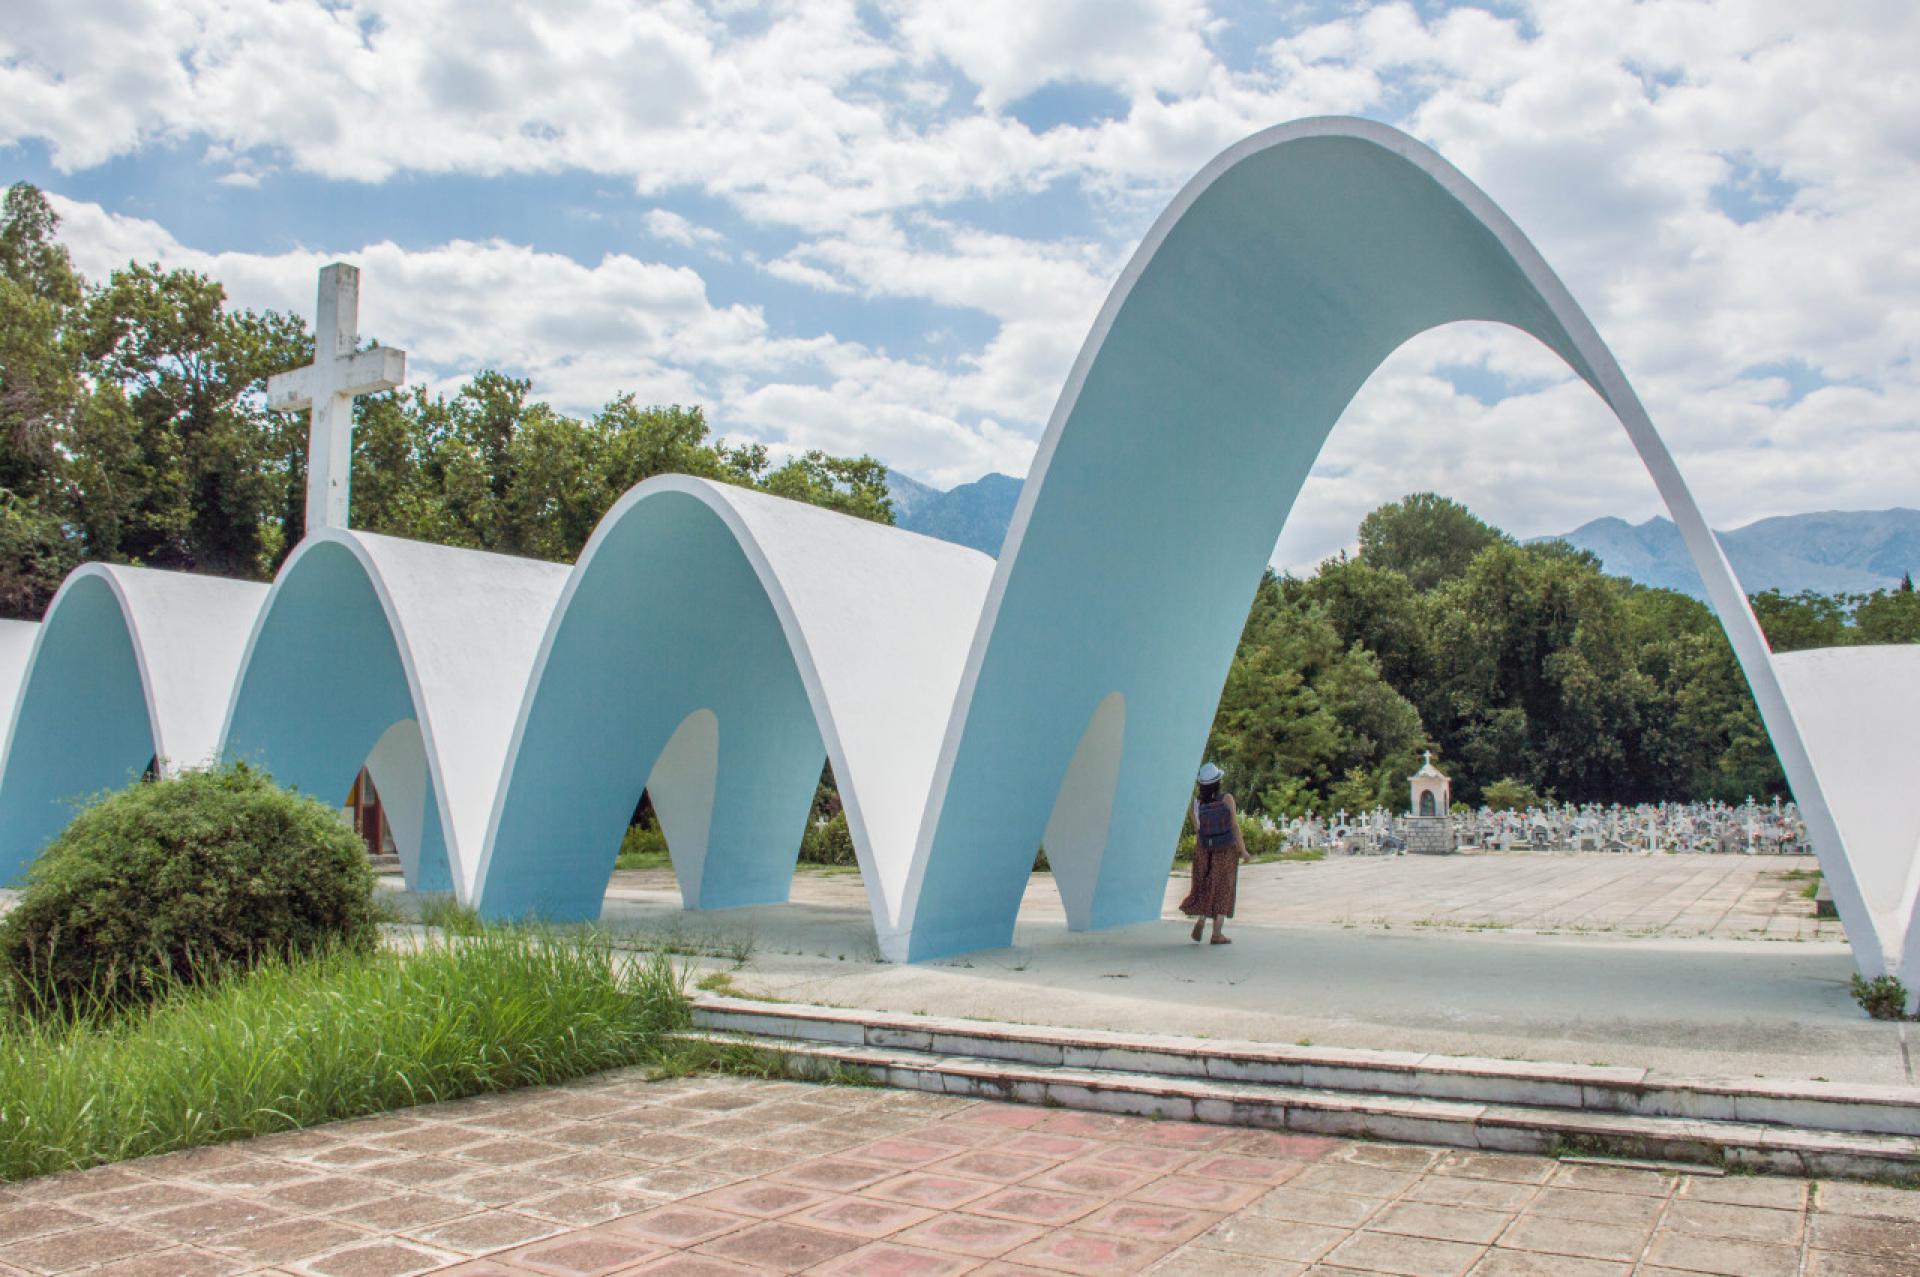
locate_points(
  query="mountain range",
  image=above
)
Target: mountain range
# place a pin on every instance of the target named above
(975, 514)
(1832, 552)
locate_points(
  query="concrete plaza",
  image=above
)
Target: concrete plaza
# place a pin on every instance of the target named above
(1688, 964)
(712, 1176)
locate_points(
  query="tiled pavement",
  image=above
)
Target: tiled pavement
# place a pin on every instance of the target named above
(1726, 897)
(714, 1176)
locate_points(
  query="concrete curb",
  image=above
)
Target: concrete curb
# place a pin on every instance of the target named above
(1803, 1128)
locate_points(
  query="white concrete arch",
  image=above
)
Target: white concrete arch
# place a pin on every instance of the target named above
(1858, 711)
(131, 665)
(1261, 299)
(364, 633)
(793, 632)
(16, 651)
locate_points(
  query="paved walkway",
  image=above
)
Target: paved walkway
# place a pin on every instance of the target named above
(716, 1176)
(1578, 893)
(1687, 964)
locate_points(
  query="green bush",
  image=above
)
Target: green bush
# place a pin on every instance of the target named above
(1508, 794)
(184, 880)
(1884, 997)
(828, 842)
(644, 847)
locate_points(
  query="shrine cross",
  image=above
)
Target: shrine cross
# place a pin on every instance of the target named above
(327, 387)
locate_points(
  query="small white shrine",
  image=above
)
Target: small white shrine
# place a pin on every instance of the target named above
(1429, 820)
(1432, 790)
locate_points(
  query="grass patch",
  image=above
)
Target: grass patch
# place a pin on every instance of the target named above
(1291, 854)
(339, 1035)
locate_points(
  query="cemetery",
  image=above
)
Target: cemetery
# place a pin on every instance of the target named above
(986, 1041)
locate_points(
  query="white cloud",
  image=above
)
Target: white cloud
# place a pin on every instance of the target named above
(866, 142)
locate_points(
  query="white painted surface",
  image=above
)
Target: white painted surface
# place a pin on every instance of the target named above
(681, 786)
(1858, 710)
(467, 625)
(327, 387)
(880, 621)
(16, 651)
(189, 633)
(1077, 830)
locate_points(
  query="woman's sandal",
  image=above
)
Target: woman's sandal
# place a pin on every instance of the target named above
(1199, 927)
(1218, 940)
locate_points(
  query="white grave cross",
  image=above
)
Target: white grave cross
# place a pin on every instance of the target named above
(328, 386)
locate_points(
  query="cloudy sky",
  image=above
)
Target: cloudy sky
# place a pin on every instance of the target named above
(886, 227)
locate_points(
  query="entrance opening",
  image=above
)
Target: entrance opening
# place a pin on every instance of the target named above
(369, 816)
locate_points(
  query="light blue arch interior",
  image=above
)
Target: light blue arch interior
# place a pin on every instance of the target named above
(323, 684)
(667, 617)
(1268, 304)
(82, 725)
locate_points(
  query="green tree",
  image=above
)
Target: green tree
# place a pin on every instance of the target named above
(1427, 538)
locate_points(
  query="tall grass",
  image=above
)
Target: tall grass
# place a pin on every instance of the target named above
(339, 1035)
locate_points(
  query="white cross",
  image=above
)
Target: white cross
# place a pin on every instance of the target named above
(328, 387)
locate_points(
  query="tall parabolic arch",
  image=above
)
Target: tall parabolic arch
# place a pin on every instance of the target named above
(715, 645)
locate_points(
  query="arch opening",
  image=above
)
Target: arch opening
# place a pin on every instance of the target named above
(324, 692)
(1262, 299)
(721, 723)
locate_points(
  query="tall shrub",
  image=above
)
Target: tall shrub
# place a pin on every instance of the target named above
(183, 880)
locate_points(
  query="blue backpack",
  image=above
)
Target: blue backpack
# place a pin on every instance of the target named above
(1213, 824)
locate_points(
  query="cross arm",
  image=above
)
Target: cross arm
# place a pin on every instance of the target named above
(381, 368)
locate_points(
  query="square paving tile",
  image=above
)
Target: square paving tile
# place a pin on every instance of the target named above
(890, 1259)
(584, 1254)
(836, 1174)
(1072, 1251)
(1407, 1256)
(1447, 1223)
(1198, 1194)
(861, 1216)
(1722, 1255)
(919, 1188)
(1239, 1166)
(1747, 1223)
(78, 1248)
(900, 1151)
(1272, 1238)
(680, 1225)
(1035, 1205)
(1001, 1168)
(781, 1246)
(1170, 1224)
(32, 1219)
(289, 1241)
(971, 1235)
(1307, 1206)
(1526, 1263)
(1578, 1238)
(402, 1212)
(1596, 1207)
(380, 1259)
(759, 1199)
(487, 1230)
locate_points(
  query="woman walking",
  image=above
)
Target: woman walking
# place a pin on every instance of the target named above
(1218, 850)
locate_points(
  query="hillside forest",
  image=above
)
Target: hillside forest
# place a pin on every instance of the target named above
(133, 429)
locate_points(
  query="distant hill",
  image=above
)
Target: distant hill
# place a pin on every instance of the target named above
(975, 514)
(1833, 552)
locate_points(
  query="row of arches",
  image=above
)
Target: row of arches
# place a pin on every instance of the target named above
(714, 644)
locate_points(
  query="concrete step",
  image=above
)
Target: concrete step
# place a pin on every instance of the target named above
(1796, 1128)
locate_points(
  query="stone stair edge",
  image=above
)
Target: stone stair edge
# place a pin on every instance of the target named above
(1574, 1123)
(1625, 1077)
